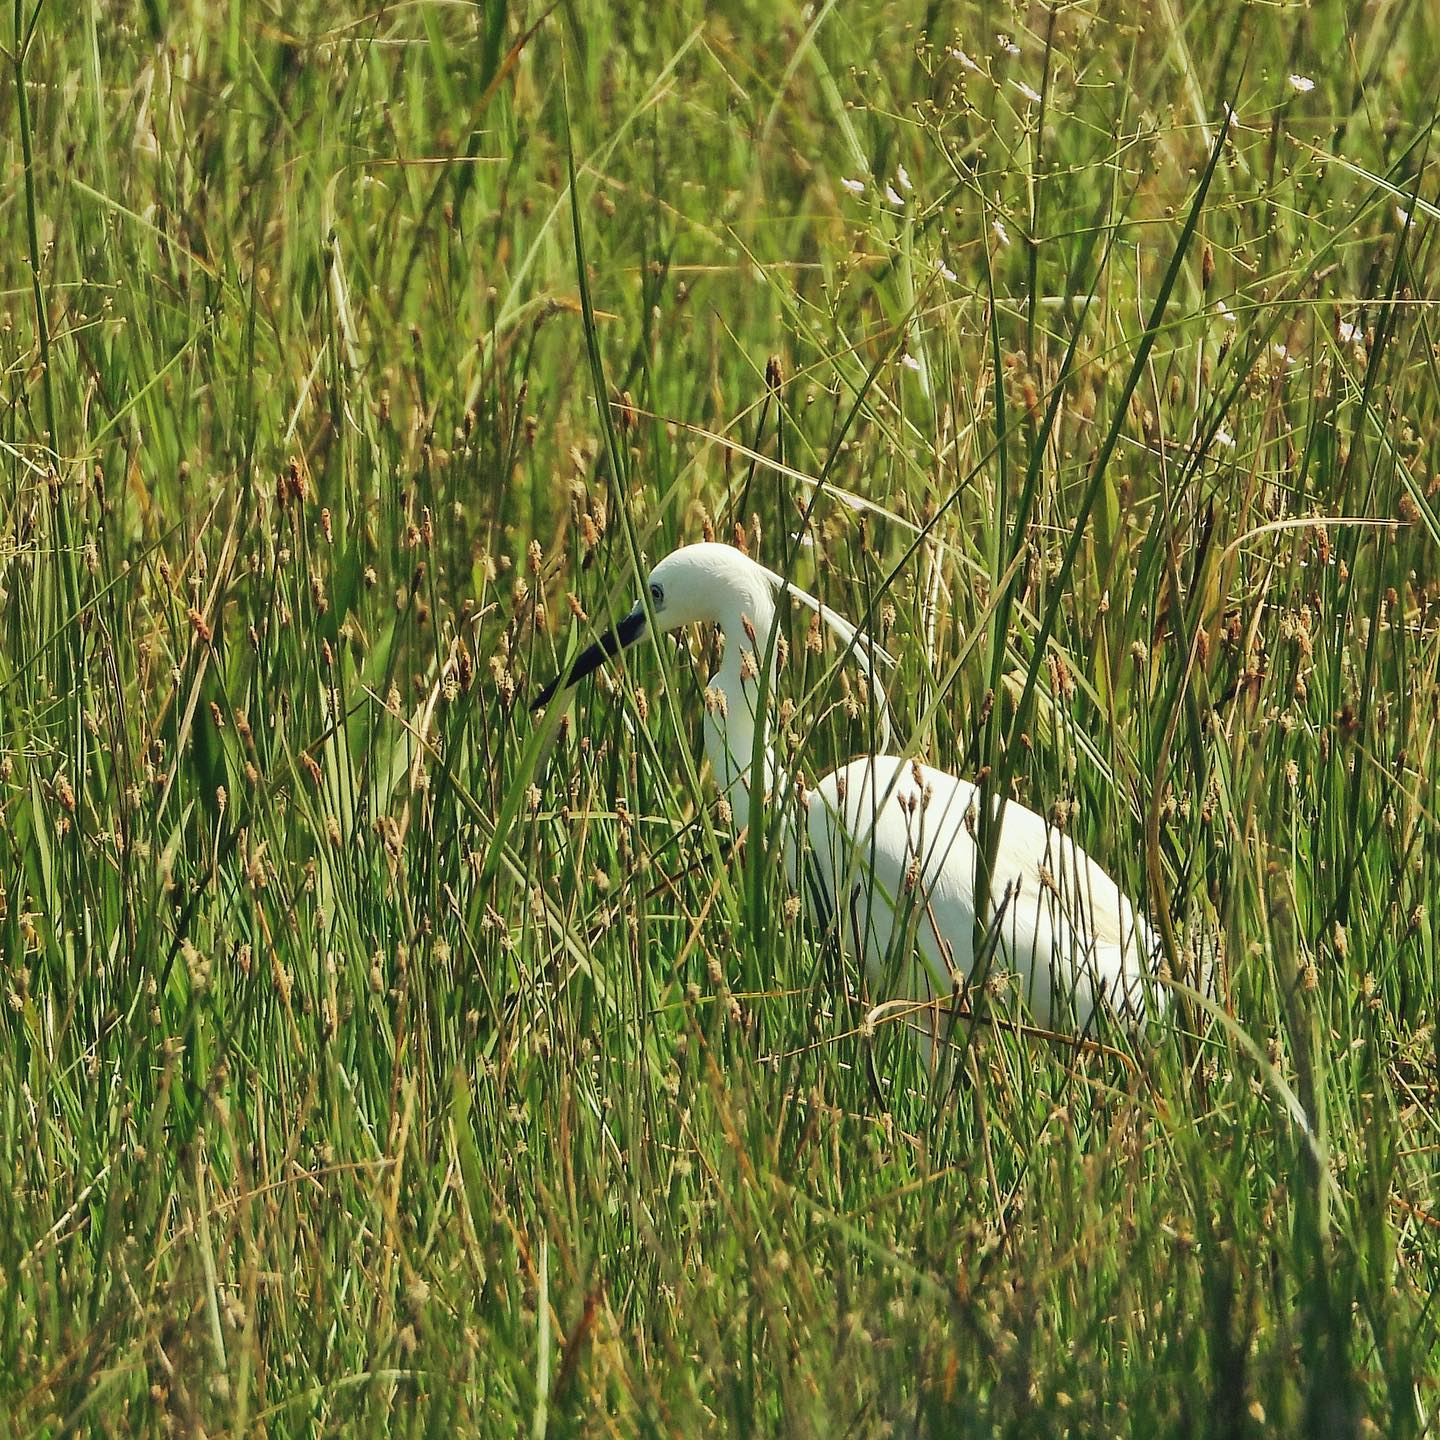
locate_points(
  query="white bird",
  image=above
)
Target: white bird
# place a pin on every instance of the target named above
(891, 846)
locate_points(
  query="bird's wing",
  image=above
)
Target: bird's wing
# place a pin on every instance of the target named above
(909, 836)
(1047, 863)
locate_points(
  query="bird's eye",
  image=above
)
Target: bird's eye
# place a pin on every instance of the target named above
(657, 595)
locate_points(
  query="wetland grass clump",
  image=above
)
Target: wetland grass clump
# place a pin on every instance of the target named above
(376, 1060)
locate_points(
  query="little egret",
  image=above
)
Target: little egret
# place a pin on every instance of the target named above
(891, 846)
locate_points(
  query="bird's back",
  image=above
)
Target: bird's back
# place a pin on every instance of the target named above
(893, 849)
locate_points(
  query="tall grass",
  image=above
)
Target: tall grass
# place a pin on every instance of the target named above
(378, 1059)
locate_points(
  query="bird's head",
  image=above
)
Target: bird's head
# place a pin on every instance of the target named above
(705, 584)
(711, 584)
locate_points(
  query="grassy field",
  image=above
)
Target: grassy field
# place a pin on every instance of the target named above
(377, 1059)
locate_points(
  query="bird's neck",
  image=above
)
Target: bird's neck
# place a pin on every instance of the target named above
(737, 712)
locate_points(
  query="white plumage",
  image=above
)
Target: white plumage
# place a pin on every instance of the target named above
(890, 846)
(898, 842)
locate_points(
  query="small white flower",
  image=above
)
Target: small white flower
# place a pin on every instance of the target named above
(855, 187)
(956, 53)
(1033, 96)
(1224, 312)
(1301, 84)
(1402, 217)
(949, 274)
(1282, 354)
(910, 362)
(902, 178)
(1001, 233)
(1007, 43)
(1225, 438)
(894, 198)
(1349, 334)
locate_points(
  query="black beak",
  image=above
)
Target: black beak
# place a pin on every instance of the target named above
(622, 637)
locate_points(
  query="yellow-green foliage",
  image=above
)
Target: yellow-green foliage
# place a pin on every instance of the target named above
(376, 1060)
